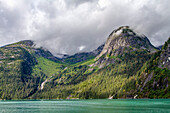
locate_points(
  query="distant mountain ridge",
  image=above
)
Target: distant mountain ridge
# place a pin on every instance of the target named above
(82, 56)
(72, 59)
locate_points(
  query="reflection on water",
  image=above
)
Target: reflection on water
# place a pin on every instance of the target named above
(87, 106)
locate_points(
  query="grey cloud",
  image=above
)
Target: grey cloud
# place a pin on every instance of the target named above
(63, 26)
(78, 2)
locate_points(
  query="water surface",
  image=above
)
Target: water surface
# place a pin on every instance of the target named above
(87, 106)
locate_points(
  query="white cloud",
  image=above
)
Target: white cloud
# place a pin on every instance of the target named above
(103, 3)
(81, 48)
(63, 26)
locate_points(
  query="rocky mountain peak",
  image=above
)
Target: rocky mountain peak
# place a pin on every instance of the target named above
(122, 29)
(27, 42)
(125, 37)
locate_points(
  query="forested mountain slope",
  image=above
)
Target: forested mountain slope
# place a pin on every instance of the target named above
(155, 75)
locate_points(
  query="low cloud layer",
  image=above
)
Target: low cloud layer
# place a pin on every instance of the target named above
(70, 26)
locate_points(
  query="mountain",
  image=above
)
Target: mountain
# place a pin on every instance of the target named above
(126, 66)
(125, 37)
(155, 75)
(23, 67)
(20, 73)
(83, 56)
(30, 46)
(16, 65)
(122, 78)
(121, 41)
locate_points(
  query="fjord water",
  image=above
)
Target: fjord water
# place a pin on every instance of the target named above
(87, 106)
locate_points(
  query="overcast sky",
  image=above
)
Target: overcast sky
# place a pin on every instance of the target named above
(70, 26)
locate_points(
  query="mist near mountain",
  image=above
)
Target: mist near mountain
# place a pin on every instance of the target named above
(71, 26)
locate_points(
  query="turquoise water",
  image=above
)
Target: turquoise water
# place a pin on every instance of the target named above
(87, 106)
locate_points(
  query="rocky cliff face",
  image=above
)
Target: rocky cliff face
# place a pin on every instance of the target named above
(164, 61)
(123, 40)
(125, 37)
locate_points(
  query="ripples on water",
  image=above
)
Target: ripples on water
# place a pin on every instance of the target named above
(87, 106)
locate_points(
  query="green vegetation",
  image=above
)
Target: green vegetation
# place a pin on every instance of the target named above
(47, 67)
(166, 44)
(79, 57)
(133, 71)
(116, 80)
(16, 81)
(158, 85)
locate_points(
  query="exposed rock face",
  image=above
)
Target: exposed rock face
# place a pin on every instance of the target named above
(125, 37)
(27, 42)
(164, 61)
(119, 42)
